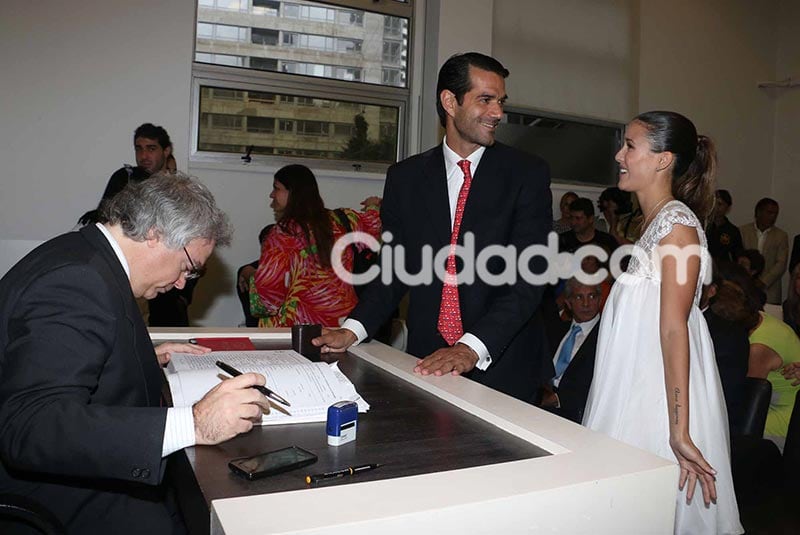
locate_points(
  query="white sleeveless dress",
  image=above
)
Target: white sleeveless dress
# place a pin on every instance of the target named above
(627, 399)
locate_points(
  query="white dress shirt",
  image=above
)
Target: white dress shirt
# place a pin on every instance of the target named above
(455, 178)
(586, 328)
(179, 429)
(761, 237)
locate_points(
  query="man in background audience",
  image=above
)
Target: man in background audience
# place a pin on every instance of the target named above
(563, 224)
(153, 149)
(772, 242)
(724, 238)
(583, 230)
(575, 345)
(83, 429)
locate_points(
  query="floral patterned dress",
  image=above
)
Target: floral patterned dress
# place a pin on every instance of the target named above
(290, 287)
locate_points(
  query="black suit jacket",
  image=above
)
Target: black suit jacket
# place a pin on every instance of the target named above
(573, 389)
(81, 429)
(509, 203)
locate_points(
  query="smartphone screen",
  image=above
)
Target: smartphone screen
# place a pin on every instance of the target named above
(273, 462)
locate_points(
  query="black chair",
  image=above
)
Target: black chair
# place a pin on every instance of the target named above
(791, 448)
(757, 394)
(22, 515)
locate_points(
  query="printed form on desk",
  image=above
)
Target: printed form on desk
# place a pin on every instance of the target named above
(310, 387)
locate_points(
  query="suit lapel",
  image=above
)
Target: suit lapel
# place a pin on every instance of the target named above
(436, 199)
(584, 351)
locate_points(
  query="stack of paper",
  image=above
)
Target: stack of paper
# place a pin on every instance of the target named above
(310, 387)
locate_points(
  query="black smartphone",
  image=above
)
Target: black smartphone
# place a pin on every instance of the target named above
(271, 463)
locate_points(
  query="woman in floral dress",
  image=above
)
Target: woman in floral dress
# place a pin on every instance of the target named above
(295, 282)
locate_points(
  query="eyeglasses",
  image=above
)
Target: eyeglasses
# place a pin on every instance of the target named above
(195, 272)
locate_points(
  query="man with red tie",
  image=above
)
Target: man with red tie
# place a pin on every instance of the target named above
(468, 191)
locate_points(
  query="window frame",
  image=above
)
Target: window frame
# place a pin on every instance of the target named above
(246, 79)
(219, 76)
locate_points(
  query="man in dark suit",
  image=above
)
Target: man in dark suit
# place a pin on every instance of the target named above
(467, 191)
(574, 346)
(83, 431)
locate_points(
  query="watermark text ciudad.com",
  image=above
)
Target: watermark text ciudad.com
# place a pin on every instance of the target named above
(517, 264)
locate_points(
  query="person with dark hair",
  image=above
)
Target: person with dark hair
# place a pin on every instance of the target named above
(772, 242)
(467, 188)
(656, 384)
(753, 263)
(84, 429)
(726, 308)
(153, 148)
(583, 231)
(295, 282)
(774, 346)
(563, 224)
(724, 238)
(623, 222)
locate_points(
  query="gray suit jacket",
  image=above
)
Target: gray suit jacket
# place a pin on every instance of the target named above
(776, 254)
(81, 427)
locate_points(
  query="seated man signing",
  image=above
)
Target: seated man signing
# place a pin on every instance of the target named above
(82, 427)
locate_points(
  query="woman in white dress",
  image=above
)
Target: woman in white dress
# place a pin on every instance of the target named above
(656, 384)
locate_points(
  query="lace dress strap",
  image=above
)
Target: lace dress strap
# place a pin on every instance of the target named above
(673, 213)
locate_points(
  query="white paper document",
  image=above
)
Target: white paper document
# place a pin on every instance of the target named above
(310, 387)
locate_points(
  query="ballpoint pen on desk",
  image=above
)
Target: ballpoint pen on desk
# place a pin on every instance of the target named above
(336, 474)
(230, 370)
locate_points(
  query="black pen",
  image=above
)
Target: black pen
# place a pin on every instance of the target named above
(336, 474)
(230, 370)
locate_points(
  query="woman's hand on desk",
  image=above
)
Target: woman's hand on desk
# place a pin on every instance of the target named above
(164, 351)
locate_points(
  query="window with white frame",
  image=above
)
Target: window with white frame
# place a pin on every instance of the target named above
(258, 77)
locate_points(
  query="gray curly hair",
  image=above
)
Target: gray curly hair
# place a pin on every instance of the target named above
(178, 208)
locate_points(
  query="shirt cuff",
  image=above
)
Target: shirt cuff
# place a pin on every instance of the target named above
(356, 328)
(179, 430)
(474, 343)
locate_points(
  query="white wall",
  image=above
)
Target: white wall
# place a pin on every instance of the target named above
(577, 57)
(242, 193)
(786, 166)
(78, 77)
(705, 59)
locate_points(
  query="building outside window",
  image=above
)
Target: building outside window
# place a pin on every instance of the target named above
(297, 78)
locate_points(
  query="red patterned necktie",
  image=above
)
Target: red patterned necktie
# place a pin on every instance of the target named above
(449, 311)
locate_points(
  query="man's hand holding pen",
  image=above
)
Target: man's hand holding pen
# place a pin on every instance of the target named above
(230, 408)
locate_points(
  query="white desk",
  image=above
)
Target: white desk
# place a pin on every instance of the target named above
(590, 483)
